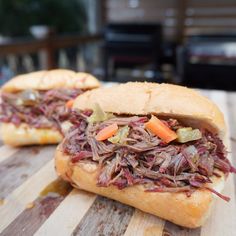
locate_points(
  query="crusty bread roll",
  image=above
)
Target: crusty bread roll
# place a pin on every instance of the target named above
(160, 99)
(52, 79)
(189, 212)
(141, 99)
(25, 135)
(42, 80)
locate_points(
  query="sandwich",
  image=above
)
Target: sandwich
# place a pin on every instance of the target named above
(35, 106)
(156, 147)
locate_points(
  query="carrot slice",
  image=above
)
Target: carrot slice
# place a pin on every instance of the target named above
(70, 103)
(107, 132)
(158, 128)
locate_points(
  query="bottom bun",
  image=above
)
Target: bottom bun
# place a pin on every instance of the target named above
(186, 211)
(23, 135)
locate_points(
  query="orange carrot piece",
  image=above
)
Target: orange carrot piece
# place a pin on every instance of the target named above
(158, 128)
(70, 103)
(107, 132)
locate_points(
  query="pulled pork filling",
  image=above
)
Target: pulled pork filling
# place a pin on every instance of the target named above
(137, 156)
(39, 109)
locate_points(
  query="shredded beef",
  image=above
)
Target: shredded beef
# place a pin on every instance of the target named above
(144, 159)
(44, 109)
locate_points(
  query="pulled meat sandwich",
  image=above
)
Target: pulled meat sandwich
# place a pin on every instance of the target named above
(158, 148)
(35, 107)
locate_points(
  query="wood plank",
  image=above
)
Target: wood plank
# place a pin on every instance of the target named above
(210, 3)
(160, 12)
(216, 17)
(7, 151)
(26, 45)
(29, 221)
(149, 16)
(144, 224)
(208, 30)
(68, 214)
(105, 217)
(223, 217)
(181, 19)
(121, 4)
(16, 202)
(231, 101)
(21, 165)
(172, 229)
(211, 11)
(210, 22)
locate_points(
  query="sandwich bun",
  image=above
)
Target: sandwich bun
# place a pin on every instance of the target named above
(25, 135)
(52, 79)
(189, 212)
(42, 80)
(168, 100)
(163, 100)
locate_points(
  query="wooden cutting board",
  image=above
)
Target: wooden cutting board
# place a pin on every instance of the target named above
(25, 210)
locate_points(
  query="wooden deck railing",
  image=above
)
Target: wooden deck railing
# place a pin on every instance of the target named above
(47, 46)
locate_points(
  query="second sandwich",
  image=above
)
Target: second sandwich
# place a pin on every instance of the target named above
(156, 147)
(35, 106)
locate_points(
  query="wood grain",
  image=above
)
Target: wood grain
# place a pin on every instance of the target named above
(68, 214)
(231, 104)
(21, 165)
(175, 230)
(31, 219)
(7, 151)
(16, 202)
(105, 217)
(144, 224)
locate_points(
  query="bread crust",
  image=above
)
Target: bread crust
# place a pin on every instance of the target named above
(186, 211)
(52, 79)
(42, 80)
(182, 103)
(23, 135)
(136, 98)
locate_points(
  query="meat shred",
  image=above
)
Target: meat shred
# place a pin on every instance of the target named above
(144, 159)
(47, 110)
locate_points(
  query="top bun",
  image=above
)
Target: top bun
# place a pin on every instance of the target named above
(175, 101)
(52, 79)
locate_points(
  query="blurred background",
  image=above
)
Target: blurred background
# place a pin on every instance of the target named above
(188, 42)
